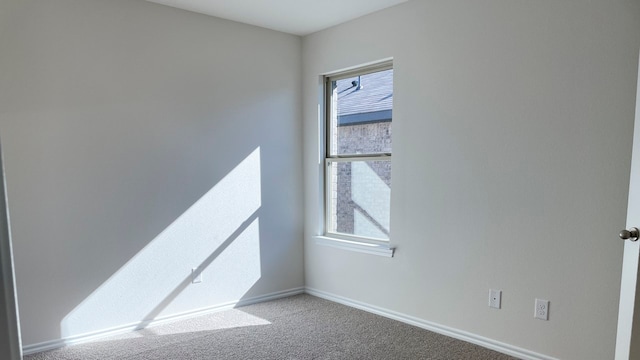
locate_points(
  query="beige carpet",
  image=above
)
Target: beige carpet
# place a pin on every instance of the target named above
(298, 327)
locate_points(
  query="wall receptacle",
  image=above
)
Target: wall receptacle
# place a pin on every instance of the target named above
(495, 298)
(542, 309)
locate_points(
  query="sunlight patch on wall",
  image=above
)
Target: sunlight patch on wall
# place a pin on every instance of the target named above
(219, 234)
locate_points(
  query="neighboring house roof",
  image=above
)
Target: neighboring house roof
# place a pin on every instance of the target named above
(371, 101)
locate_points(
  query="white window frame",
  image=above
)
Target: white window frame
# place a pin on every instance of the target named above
(369, 245)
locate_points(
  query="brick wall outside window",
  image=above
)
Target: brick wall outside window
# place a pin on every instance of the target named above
(364, 214)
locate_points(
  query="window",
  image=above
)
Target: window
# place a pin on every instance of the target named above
(358, 154)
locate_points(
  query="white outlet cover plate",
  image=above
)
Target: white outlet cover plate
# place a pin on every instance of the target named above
(495, 298)
(542, 309)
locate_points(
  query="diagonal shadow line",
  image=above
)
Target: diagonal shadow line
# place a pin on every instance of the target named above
(376, 172)
(368, 216)
(187, 280)
(349, 88)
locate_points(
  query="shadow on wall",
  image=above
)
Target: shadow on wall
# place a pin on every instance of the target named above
(219, 236)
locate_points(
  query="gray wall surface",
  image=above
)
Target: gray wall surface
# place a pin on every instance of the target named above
(512, 134)
(142, 141)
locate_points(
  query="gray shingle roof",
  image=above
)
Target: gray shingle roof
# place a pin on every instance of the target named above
(371, 101)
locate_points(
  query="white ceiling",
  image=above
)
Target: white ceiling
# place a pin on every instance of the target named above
(298, 17)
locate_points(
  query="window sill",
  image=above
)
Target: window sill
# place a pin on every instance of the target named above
(357, 246)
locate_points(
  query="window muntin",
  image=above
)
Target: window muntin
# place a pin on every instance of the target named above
(358, 157)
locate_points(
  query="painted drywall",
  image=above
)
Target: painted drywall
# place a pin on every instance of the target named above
(142, 141)
(512, 137)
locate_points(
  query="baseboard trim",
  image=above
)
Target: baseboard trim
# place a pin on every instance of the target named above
(83, 338)
(428, 325)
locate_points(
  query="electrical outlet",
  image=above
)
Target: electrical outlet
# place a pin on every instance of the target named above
(495, 298)
(196, 276)
(542, 309)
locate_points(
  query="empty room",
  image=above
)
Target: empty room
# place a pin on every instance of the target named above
(339, 179)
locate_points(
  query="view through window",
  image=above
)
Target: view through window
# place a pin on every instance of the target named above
(358, 159)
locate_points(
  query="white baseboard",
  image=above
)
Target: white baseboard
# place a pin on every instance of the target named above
(83, 338)
(411, 320)
(437, 328)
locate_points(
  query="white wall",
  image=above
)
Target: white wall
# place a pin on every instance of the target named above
(141, 141)
(512, 140)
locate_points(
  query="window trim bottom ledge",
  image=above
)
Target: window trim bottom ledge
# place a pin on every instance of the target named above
(357, 246)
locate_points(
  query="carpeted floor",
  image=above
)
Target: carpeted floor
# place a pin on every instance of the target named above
(298, 327)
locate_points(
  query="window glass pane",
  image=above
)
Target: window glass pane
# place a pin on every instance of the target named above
(360, 195)
(361, 113)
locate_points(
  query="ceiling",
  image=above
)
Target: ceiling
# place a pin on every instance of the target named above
(298, 17)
